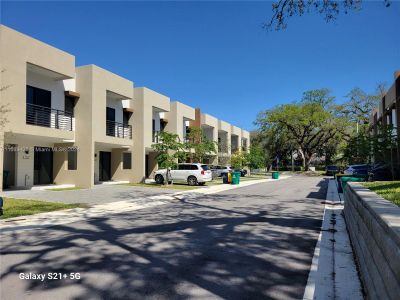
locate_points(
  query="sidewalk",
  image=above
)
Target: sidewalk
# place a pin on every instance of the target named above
(79, 214)
(333, 274)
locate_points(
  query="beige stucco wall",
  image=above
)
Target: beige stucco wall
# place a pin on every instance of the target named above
(179, 114)
(210, 122)
(61, 173)
(94, 83)
(144, 103)
(224, 130)
(1, 159)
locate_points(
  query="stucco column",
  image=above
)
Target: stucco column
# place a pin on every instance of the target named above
(1, 159)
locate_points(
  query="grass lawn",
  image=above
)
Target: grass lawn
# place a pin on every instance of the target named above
(177, 186)
(390, 190)
(22, 207)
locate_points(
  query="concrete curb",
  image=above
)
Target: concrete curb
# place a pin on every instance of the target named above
(333, 273)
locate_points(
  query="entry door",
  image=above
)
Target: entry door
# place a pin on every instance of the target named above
(105, 166)
(43, 166)
(147, 166)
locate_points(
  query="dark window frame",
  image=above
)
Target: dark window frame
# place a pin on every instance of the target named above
(126, 165)
(72, 159)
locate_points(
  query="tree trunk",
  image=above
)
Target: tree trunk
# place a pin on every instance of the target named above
(307, 161)
(303, 158)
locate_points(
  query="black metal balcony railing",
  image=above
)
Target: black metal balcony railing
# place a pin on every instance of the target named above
(119, 130)
(48, 117)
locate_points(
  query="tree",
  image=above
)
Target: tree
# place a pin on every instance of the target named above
(329, 9)
(307, 125)
(256, 157)
(359, 105)
(239, 159)
(200, 144)
(358, 149)
(169, 150)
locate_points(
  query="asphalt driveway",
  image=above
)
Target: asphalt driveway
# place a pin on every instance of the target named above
(100, 194)
(254, 242)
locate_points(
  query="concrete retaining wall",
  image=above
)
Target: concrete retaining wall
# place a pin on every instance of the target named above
(374, 227)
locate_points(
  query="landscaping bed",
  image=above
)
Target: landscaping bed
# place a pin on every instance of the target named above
(22, 207)
(390, 190)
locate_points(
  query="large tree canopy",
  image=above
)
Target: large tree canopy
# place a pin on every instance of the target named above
(307, 125)
(360, 104)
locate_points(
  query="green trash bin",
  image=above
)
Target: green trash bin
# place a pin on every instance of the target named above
(275, 175)
(235, 177)
(345, 179)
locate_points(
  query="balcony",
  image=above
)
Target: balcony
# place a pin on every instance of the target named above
(118, 130)
(47, 117)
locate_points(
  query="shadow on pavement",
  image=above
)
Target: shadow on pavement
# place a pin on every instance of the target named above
(225, 245)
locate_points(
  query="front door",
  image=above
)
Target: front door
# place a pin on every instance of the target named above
(105, 166)
(147, 166)
(43, 166)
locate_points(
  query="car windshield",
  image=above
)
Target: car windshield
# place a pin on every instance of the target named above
(205, 167)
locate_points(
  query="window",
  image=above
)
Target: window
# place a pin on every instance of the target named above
(205, 167)
(72, 159)
(193, 167)
(182, 167)
(126, 117)
(69, 103)
(38, 96)
(126, 160)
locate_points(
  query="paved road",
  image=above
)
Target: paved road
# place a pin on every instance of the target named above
(254, 242)
(99, 195)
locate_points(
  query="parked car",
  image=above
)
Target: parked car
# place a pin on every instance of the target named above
(219, 170)
(380, 172)
(357, 170)
(243, 172)
(193, 174)
(332, 170)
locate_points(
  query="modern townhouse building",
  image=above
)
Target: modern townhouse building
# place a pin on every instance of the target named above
(228, 137)
(149, 118)
(81, 126)
(388, 113)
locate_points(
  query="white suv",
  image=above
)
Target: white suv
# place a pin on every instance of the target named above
(193, 174)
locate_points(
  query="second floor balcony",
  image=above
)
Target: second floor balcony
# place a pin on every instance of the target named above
(48, 117)
(119, 130)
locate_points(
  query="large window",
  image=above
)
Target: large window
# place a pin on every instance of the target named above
(72, 159)
(127, 160)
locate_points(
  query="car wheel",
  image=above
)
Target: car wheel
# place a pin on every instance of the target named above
(192, 180)
(202, 183)
(159, 179)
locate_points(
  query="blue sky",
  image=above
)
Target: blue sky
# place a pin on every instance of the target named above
(215, 55)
